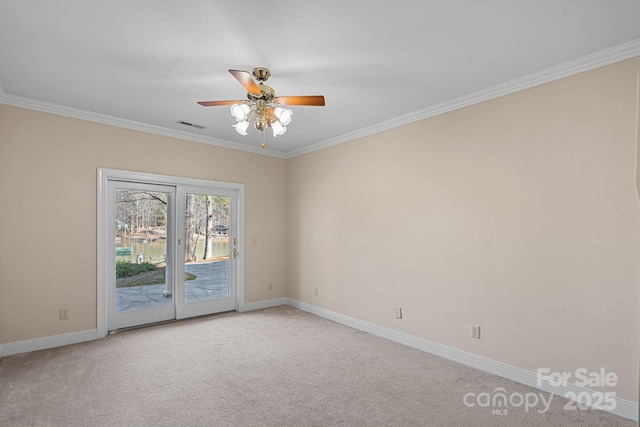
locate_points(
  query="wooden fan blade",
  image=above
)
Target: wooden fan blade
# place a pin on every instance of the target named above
(247, 81)
(314, 100)
(216, 103)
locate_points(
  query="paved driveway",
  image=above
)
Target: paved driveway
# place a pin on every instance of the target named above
(211, 282)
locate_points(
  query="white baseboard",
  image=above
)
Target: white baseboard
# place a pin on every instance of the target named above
(26, 346)
(268, 303)
(48, 342)
(623, 408)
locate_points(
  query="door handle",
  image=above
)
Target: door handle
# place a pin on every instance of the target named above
(235, 251)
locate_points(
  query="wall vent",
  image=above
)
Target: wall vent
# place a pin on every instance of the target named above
(182, 122)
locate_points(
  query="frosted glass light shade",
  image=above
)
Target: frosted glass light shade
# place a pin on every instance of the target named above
(278, 129)
(240, 112)
(283, 115)
(241, 127)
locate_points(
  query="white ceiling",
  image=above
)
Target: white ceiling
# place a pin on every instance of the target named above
(144, 64)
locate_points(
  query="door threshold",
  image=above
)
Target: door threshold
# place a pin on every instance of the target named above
(146, 325)
(164, 322)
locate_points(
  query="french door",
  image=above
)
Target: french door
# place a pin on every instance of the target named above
(169, 251)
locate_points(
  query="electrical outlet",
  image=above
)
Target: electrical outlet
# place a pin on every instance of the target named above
(315, 292)
(398, 313)
(270, 286)
(475, 331)
(64, 313)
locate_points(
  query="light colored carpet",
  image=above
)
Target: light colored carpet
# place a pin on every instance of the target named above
(273, 367)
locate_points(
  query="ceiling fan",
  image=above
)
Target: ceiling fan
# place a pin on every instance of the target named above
(262, 104)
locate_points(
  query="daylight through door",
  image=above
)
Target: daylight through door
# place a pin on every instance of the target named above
(140, 273)
(206, 251)
(169, 251)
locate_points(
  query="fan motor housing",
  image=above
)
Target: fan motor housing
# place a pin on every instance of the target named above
(267, 93)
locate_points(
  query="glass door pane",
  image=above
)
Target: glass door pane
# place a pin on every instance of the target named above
(141, 272)
(141, 249)
(208, 253)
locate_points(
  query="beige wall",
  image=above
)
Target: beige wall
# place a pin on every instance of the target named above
(48, 167)
(519, 214)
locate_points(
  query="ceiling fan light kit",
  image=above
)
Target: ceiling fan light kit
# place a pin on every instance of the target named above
(262, 105)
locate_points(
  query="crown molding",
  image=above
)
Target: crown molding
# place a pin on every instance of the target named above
(585, 63)
(47, 107)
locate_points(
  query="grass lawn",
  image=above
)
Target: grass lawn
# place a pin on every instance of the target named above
(129, 274)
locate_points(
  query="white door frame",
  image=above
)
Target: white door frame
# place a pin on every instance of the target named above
(103, 176)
